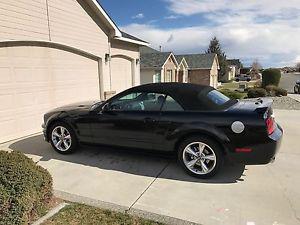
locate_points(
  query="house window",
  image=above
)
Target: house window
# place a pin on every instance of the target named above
(169, 75)
(157, 78)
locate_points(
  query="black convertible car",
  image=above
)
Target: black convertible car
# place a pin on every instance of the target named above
(197, 122)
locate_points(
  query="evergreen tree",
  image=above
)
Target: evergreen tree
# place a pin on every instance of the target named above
(215, 47)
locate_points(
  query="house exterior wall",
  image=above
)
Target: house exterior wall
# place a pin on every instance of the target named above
(132, 52)
(147, 76)
(26, 20)
(199, 76)
(69, 22)
(214, 74)
(169, 66)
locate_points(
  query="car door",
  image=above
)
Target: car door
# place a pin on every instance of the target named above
(172, 115)
(129, 120)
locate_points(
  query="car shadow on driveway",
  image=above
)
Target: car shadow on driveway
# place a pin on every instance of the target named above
(142, 163)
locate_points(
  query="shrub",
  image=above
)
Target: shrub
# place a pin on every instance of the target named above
(232, 94)
(271, 77)
(25, 188)
(275, 91)
(256, 92)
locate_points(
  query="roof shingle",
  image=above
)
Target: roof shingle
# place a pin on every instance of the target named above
(198, 61)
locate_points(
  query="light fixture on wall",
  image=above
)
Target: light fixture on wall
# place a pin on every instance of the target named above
(138, 61)
(107, 57)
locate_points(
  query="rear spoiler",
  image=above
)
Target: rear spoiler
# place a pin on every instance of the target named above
(264, 105)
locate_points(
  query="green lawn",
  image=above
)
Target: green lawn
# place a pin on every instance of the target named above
(235, 85)
(86, 215)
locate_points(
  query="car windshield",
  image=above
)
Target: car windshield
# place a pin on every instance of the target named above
(95, 105)
(217, 97)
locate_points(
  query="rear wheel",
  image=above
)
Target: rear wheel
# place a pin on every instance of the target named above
(200, 156)
(63, 138)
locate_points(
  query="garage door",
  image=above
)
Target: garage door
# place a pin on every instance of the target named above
(121, 74)
(34, 80)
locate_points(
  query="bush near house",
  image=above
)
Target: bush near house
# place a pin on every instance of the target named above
(256, 92)
(232, 94)
(271, 77)
(274, 91)
(25, 189)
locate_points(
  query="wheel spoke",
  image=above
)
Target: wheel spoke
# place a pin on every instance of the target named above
(204, 167)
(62, 130)
(58, 144)
(192, 163)
(68, 137)
(66, 144)
(209, 157)
(191, 151)
(201, 148)
(56, 134)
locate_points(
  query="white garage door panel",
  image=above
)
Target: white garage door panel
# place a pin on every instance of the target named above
(121, 74)
(35, 80)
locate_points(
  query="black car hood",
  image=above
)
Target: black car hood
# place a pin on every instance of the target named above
(81, 106)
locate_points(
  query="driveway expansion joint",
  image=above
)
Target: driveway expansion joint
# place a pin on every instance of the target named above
(159, 173)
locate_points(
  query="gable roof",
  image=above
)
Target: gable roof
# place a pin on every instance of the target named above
(154, 60)
(117, 34)
(234, 62)
(198, 61)
(147, 49)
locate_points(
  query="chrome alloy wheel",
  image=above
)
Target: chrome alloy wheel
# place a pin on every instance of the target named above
(61, 138)
(199, 158)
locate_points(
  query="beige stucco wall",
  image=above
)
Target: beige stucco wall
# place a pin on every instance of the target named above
(23, 20)
(130, 51)
(214, 74)
(170, 65)
(147, 76)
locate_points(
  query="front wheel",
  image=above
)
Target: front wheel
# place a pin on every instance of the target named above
(63, 138)
(200, 157)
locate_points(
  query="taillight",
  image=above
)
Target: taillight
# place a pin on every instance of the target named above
(271, 124)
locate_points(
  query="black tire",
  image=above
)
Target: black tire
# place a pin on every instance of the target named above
(73, 143)
(213, 145)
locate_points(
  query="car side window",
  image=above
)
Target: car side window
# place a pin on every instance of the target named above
(171, 105)
(138, 102)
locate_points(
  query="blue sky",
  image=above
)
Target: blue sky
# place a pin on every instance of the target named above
(266, 30)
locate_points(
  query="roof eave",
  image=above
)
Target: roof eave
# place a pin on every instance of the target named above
(117, 32)
(141, 43)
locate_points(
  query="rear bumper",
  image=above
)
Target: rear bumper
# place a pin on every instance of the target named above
(261, 153)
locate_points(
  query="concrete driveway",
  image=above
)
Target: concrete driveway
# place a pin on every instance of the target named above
(154, 185)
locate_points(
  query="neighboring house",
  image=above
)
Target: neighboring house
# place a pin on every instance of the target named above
(202, 68)
(158, 67)
(234, 69)
(58, 52)
(183, 72)
(236, 63)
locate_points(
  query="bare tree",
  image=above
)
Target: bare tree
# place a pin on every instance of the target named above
(256, 66)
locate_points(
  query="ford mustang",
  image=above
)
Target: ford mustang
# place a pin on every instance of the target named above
(201, 125)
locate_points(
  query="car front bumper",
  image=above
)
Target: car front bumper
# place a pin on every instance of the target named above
(260, 153)
(45, 133)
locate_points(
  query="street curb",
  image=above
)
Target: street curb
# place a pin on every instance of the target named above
(123, 209)
(51, 213)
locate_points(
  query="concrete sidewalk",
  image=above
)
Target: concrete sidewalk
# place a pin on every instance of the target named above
(295, 97)
(139, 182)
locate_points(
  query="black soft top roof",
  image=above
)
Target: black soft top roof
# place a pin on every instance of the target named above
(189, 96)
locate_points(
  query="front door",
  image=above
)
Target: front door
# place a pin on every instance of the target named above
(129, 121)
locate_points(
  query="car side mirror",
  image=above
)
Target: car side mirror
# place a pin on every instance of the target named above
(106, 108)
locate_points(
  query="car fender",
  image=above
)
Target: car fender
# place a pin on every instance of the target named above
(60, 117)
(200, 128)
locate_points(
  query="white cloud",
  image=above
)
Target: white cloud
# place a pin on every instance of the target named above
(171, 17)
(263, 7)
(273, 44)
(138, 16)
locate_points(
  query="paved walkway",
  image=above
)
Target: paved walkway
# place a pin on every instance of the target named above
(295, 96)
(141, 183)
